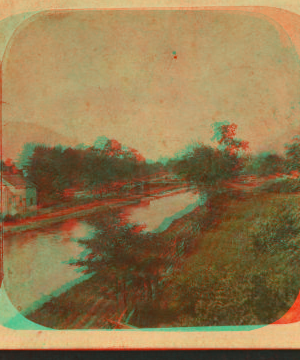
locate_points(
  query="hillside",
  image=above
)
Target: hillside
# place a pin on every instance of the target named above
(16, 134)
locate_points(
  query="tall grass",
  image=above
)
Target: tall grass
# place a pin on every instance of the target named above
(245, 270)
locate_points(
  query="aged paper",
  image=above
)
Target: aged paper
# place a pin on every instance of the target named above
(150, 174)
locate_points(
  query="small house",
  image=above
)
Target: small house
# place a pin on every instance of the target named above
(18, 195)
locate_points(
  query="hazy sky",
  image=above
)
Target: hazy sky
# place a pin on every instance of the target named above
(153, 80)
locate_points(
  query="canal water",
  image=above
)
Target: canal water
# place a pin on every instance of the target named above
(36, 262)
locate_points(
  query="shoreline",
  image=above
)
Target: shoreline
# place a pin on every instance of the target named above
(70, 289)
(197, 258)
(71, 286)
(80, 211)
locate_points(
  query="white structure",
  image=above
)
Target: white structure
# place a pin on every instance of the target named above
(18, 196)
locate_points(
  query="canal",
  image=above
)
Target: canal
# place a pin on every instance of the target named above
(36, 262)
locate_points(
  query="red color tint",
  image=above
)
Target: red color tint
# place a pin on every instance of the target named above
(293, 315)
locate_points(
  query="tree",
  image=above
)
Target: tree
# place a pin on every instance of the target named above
(126, 262)
(26, 154)
(56, 169)
(292, 152)
(266, 164)
(205, 165)
(45, 171)
(225, 134)
(100, 142)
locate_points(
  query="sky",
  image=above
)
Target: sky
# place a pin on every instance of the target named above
(153, 80)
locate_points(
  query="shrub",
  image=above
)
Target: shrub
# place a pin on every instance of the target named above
(282, 185)
(277, 231)
(8, 218)
(12, 218)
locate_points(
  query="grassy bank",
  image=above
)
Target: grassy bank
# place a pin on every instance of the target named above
(227, 281)
(221, 276)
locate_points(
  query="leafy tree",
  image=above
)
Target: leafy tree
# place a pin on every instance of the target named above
(44, 171)
(100, 142)
(56, 169)
(128, 263)
(204, 165)
(266, 164)
(25, 155)
(292, 152)
(225, 134)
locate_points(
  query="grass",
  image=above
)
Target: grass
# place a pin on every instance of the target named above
(222, 280)
(227, 282)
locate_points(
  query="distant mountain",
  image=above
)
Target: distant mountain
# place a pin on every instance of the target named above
(16, 134)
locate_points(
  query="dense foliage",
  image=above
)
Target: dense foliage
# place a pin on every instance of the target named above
(281, 185)
(246, 269)
(56, 169)
(266, 164)
(277, 232)
(293, 154)
(131, 266)
(205, 165)
(223, 264)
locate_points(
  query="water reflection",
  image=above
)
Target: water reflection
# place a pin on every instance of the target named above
(36, 262)
(152, 212)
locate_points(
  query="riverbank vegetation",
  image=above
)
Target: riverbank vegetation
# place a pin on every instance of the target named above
(244, 271)
(233, 261)
(102, 168)
(215, 266)
(107, 167)
(208, 166)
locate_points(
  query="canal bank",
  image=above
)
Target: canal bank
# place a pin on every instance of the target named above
(56, 216)
(213, 285)
(80, 303)
(36, 261)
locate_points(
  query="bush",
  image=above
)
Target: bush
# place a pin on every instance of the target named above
(8, 218)
(277, 231)
(282, 185)
(12, 218)
(238, 290)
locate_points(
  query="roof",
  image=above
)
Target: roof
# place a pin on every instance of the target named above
(16, 180)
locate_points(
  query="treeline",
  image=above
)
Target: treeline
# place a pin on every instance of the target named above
(147, 274)
(8, 167)
(56, 169)
(265, 164)
(211, 166)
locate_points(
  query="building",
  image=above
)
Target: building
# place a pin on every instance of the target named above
(18, 195)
